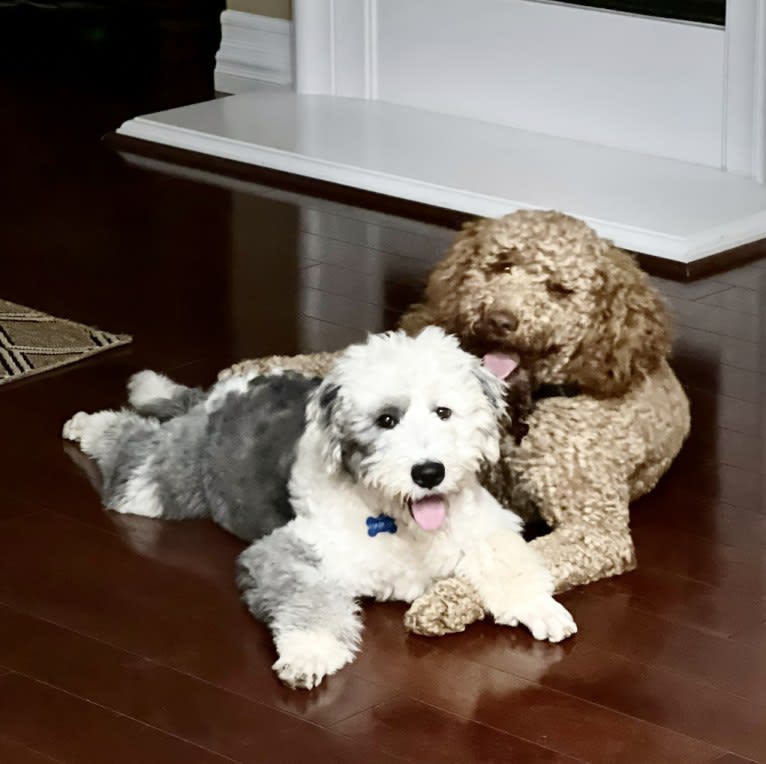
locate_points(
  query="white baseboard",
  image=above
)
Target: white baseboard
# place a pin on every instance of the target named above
(662, 207)
(255, 50)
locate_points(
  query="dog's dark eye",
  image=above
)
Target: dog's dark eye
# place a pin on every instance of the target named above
(505, 260)
(558, 290)
(387, 421)
(443, 412)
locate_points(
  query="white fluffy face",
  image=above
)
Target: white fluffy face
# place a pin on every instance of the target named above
(396, 403)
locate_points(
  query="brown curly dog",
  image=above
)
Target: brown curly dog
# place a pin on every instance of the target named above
(607, 414)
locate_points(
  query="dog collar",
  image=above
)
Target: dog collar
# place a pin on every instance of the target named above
(380, 524)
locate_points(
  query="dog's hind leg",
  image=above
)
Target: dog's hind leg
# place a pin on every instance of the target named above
(315, 624)
(122, 444)
(153, 394)
(97, 433)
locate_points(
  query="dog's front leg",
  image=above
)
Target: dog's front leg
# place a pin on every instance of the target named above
(314, 622)
(589, 541)
(515, 586)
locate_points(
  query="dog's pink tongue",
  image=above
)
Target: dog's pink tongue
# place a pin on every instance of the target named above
(500, 364)
(429, 513)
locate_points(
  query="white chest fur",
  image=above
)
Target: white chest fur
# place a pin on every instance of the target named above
(401, 565)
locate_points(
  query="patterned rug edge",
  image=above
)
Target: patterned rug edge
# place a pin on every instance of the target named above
(124, 340)
(15, 356)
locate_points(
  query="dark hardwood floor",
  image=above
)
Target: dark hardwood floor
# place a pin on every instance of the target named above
(122, 639)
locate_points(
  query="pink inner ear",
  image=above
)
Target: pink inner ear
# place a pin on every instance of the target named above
(500, 364)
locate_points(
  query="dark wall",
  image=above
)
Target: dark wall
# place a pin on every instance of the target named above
(707, 11)
(124, 44)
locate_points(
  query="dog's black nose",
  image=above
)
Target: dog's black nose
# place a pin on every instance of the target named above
(502, 321)
(428, 474)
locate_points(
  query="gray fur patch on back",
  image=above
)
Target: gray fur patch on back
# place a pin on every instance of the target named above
(250, 446)
(232, 464)
(167, 408)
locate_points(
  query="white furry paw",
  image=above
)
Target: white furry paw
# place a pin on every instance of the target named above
(75, 427)
(89, 430)
(543, 616)
(147, 386)
(307, 657)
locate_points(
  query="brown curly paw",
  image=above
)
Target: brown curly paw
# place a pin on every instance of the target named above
(446, 608)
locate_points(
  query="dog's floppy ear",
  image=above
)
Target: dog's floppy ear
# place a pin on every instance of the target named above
(629, 335)
(322, 412)
(493, 390)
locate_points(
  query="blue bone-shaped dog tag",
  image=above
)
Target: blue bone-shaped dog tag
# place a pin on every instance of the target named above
(380, 524)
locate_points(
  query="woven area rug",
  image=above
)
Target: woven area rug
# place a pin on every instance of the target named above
(32, 342)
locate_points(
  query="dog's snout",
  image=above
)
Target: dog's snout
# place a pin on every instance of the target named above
(428, 474)
(502, 321)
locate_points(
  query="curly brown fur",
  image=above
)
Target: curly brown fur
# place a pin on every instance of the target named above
(577, 311)
(448, 607)
(310, 365)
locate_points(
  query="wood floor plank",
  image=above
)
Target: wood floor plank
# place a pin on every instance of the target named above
(723, 321)
(730, 758)
(689, 555)
(13, 507)
(114, 558)
(721, 445)
(682, 600)
(750, 276)
(717, 349)
(754, 636)
(74, 731)
(671, 506)
(720, 662)
(740, 299)
(725, 380)
(137, 603)
(728, 484)
(323, 336)
(430, 736)
(308, 203)
(387, 238)
(172, 702)
(347, 311)
(353, 284)
(711, 412)
(693, 290)
(648, 692)
(445, 673)
(15, 753)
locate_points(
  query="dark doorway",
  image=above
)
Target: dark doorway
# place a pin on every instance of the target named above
(701, 11)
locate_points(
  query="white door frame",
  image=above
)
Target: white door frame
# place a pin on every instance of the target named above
(744, 149)
(337, 53)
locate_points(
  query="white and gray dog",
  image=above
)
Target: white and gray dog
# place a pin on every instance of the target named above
(363, 484)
